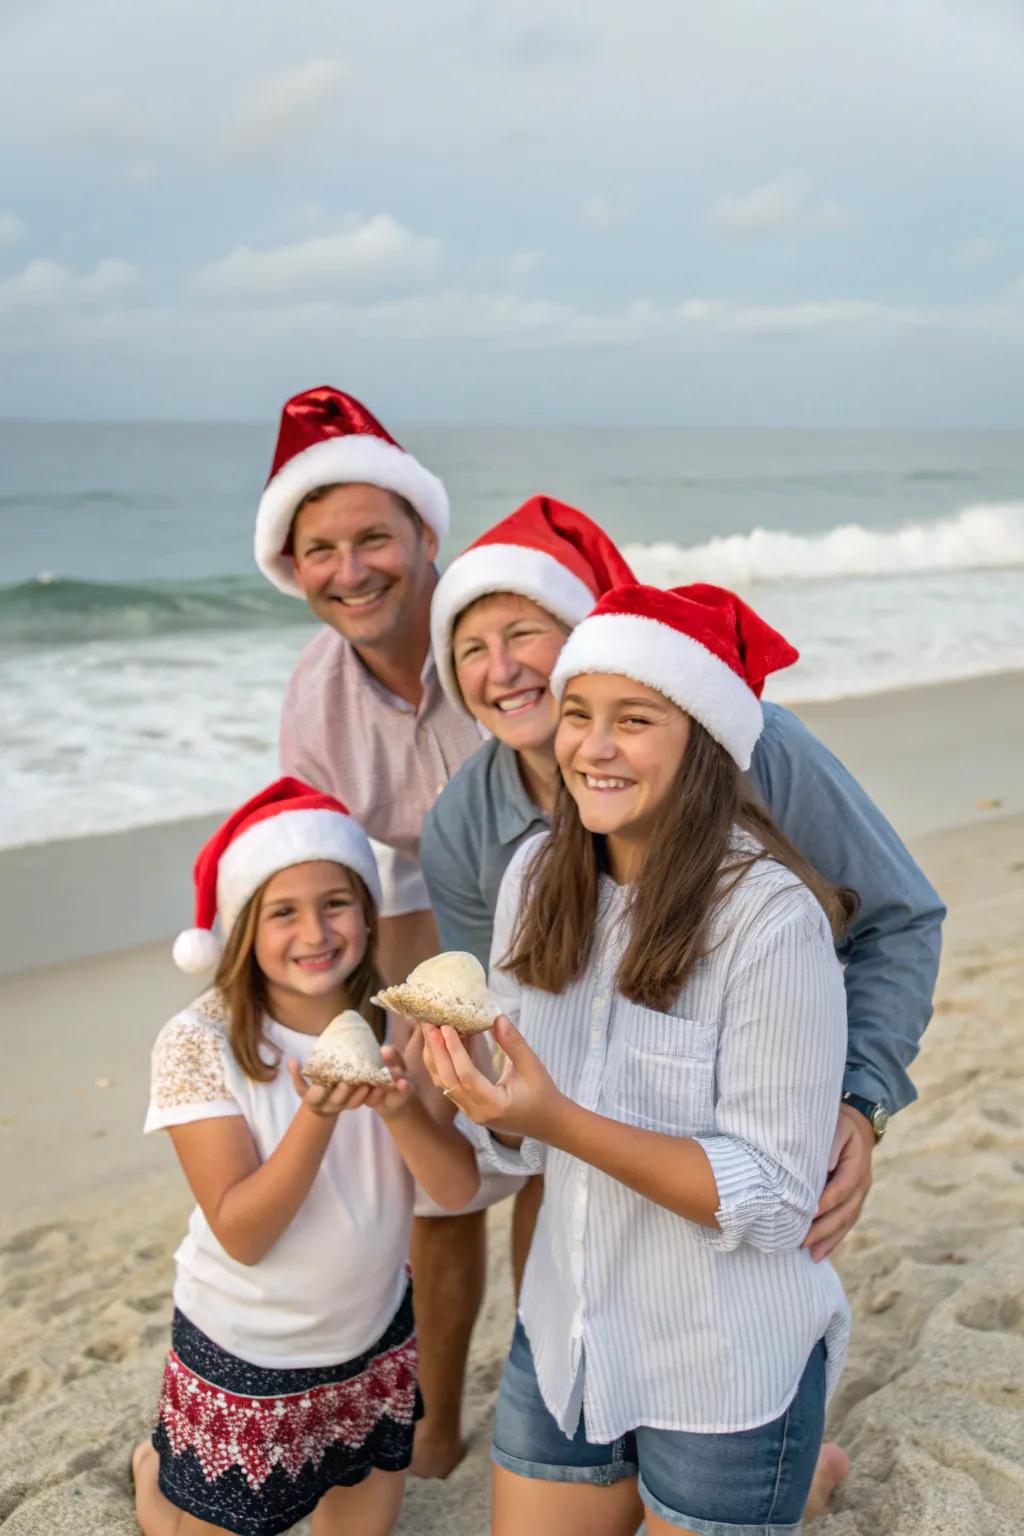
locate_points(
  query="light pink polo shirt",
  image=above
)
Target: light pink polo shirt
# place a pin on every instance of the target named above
(349, 736)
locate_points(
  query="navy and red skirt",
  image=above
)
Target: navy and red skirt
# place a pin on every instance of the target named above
(255, 1449)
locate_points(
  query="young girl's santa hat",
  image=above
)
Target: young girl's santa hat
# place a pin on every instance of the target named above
(545, 551)
(285, 824)
(701, 646)
(328, 438)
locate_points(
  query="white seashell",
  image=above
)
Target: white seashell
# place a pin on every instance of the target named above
(347, 1052)
(447, 989)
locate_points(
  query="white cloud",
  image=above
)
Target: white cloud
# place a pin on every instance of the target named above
(274, 110)
(600, 213)
(522, 263)
(375, 256)
(46, 283)
(104, 124)
(11, 229)
(780, 206)
(976, 253)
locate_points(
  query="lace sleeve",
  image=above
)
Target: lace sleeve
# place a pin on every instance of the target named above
(189, 1073)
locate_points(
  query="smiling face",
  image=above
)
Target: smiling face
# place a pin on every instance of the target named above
(619, 746)
(504, 648)
(364, 563)
(311, 932)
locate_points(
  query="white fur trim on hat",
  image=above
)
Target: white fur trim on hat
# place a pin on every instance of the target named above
(672, 663)
(281, 841)
(358, 459)
(490, 568)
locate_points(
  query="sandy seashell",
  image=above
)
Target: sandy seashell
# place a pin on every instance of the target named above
(347, 1052)
(447, 989)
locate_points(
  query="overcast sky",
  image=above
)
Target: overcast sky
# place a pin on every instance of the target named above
(706, 212)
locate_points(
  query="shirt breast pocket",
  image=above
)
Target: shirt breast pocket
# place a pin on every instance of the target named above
(662, 1075)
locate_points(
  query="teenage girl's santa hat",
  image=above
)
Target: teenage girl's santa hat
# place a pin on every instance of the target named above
(328, 438)
(545, 551)
(285, 824)
(701, 646)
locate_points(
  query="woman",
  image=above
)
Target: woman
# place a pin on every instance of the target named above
(670, 960)
(499, 618)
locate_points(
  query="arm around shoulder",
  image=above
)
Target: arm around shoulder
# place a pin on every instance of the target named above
(893, 946)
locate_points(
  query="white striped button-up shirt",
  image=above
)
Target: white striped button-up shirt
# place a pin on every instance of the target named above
(634, 1313)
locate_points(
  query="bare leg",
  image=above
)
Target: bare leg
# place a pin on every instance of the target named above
(524, 1220)
(156, 1515)
(833, 1465)
(371, 1508)
(562, 1509)
(449, 1268)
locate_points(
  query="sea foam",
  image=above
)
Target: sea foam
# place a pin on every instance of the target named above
(985, 537)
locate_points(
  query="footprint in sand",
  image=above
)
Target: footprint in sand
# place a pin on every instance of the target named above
(155, 1303)
(111, 1351)
(31, 1239)
(994, 1314)
(28, 1382)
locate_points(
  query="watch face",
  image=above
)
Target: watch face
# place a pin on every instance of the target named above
(880, 1119)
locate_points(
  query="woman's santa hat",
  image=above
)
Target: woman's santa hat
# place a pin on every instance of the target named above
(287, 823)
(328, 438)
(545, 551)
(701, 646)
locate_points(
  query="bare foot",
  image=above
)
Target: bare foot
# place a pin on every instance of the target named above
(833, 1465)
(435, 1458)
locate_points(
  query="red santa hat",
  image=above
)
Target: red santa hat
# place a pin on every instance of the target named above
(545, 551)
(328, 438)
(287, 823)
(701, 646)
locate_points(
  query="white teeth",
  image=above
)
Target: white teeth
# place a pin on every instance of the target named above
(519, 700)
(360, 602)
(595, 783)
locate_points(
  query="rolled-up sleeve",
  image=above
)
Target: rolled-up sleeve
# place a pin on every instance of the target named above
(782, 1047)
(492, 1157)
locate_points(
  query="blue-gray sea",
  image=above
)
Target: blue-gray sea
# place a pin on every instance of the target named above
(142, 656)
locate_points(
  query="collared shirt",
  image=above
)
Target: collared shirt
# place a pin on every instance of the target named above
(891, 952)
(346, 734)
(633, 1312)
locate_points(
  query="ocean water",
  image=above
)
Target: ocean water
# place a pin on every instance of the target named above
(143, 658)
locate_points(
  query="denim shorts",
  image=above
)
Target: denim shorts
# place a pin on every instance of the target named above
(746, 1483)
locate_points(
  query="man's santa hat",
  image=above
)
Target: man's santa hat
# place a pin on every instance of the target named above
(328, 438)
(701, 646)
(545, 551)
(287, 823)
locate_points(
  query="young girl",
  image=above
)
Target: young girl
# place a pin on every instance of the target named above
(670, 961)
(291, 1381)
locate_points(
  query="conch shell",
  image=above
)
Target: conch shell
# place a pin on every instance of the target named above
(347, 1052)
(448, 989)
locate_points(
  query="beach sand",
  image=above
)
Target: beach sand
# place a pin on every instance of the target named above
(931, 1405)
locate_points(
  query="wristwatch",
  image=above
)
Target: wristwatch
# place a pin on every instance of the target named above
(876, 1115)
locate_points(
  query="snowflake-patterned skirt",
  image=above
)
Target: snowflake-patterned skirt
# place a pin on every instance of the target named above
(254, 1450)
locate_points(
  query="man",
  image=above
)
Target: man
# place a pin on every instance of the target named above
(352, 523)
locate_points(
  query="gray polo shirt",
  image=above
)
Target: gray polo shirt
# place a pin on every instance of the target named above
(891, 952)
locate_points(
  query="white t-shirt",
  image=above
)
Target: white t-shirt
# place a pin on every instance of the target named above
(334, 1279)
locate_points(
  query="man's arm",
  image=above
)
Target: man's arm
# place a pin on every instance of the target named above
(891, 952)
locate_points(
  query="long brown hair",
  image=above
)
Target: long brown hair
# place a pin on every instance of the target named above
(689, 869)
(244, 987)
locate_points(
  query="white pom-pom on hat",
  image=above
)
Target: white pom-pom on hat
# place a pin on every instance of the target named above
(196, 950)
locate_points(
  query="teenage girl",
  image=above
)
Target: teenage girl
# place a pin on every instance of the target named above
(670, 961)
(290, 1387)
